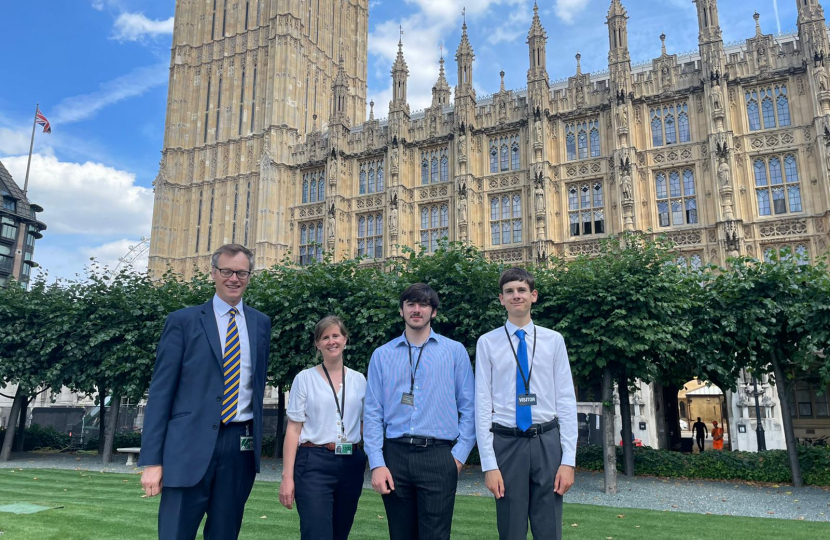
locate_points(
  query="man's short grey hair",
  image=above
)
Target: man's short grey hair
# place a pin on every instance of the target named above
(232, 249)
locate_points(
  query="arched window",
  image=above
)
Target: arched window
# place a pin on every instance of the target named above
(321, 187)
(494, 158)
(424, 172)
(683, 125)
(505, 164)
(514, 160)
(595, 142)
(656, 128)
(769, 113)
(362, 181)
(671, 133)
(312, 194)
(371, 188)
(445, 169)
(682, 409)
(783, 106)
(305, 190)
(570, 144)
(582, 143)
(752, 111)
(434, 170)
(380, 186)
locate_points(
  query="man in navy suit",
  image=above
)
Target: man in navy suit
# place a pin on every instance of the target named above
(202, 434)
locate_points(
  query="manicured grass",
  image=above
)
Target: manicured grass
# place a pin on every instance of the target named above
(110, 507)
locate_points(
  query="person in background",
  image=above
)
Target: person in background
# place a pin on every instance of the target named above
(717, 436)
(701, 432)
(323, 466)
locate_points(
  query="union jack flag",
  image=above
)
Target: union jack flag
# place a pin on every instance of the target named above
(42, 121)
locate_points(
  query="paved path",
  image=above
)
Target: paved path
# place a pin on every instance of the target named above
(693, 496)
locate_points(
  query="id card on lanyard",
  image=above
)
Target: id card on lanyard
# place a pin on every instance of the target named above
(408, 398)
(527, 399)
(341, 448)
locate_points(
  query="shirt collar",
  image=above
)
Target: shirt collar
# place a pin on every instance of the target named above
(222, 308)
(402, 339)
(529, 328)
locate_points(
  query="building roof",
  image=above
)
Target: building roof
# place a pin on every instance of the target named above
(705, 390)
(25, 208)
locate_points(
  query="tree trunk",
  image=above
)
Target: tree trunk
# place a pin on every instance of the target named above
(280, 422)
(102, 416)
(17, 404)
(21, 425)
(609, 450)
(726, 403)
(789, 432)
(112, 427)
(625, 418)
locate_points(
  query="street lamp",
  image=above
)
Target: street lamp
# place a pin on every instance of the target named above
(759, 426)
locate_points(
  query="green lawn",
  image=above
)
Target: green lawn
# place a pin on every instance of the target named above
(110, 507)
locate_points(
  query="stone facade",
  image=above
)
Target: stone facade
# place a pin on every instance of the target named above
(725, 150)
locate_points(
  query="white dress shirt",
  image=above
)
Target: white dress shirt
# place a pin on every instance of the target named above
(311, 402)
(551, 381)
(221, 309)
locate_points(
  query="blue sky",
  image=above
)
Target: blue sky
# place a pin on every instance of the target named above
(99, 69)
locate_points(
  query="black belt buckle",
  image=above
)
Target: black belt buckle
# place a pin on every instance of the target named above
(532, 431)
(413, 443)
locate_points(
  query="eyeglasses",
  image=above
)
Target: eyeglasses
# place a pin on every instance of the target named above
(227, 272)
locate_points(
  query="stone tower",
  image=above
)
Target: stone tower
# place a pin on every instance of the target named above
(248, 79)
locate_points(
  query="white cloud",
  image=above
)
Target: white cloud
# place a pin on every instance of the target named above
(134, 83)
(136, 27)
(85, 198)
(516, 25)
(567, 10)
(109, 255)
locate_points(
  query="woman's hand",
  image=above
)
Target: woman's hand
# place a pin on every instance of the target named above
(287, 493)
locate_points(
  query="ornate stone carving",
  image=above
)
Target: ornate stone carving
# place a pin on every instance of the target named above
(686, 238)
(783, 228)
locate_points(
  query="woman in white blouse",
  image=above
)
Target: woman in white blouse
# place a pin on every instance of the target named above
(323, 466)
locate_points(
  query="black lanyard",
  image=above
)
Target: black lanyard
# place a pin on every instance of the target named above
(418, 363)
(516, 356)
(341, 410)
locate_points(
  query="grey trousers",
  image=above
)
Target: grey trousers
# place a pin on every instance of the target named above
(528, 466)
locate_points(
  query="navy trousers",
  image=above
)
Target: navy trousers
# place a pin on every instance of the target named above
(326, 490)
(222, 494)
(421, 505)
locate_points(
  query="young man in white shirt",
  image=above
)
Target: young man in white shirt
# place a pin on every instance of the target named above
(525, 416)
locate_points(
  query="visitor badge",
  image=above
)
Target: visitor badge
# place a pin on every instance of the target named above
(246, 444)
(408, 398)
(527, 400)
(343, 449)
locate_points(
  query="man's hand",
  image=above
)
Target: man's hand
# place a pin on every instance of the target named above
(494, 482)
(151, 480)
(287, 492)
(382, 481)
(564, 479)
(458, 465)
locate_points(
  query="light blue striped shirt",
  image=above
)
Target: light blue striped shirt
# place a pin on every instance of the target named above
(444, 391)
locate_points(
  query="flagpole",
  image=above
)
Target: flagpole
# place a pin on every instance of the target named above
(31, 145)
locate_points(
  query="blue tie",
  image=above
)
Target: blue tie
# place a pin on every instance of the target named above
(524, 418)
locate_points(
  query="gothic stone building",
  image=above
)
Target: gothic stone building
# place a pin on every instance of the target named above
(725, 150)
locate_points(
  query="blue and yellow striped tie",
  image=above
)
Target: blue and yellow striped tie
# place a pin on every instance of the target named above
(231, 365)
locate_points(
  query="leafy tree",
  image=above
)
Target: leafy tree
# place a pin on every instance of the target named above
(620, 314)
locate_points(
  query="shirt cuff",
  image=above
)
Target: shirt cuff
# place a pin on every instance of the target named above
(376, 460)
(460, 453)
(569, 458)
(489, 463)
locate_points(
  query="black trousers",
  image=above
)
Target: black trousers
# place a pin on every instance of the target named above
(528, 466)
(699, 439)
(326, 489)
(421, 506)
(222, 494)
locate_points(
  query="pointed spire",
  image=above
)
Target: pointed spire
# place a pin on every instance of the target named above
(663, 43)
(340, 79)
(757, 18)
(578, 65)
(400, 62)
(616, 9)
(536, 29)
(501, 86)
(464, 57)
(464, 46)
(441, 89)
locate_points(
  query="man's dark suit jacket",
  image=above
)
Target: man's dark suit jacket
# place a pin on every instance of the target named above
(182, 417)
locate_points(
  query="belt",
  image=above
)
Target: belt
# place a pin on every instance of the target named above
(533, 431)
(327, 446)
(421, 441)
(246, 423)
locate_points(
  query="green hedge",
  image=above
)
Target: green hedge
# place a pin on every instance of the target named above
(38, 437)
(122, 440)
(770, 466)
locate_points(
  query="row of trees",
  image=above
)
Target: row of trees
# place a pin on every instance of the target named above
(629, 313)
